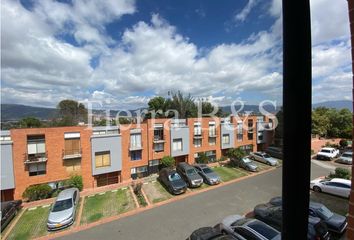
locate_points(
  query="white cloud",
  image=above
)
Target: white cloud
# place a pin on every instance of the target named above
(241, 16)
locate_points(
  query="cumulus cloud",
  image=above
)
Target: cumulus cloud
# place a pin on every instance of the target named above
(241, 16)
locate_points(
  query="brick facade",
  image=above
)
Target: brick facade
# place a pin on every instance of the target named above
(58, 169)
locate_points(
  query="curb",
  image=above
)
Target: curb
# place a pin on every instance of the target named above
(13, 223)
(81, 208)
(146, 199)
(134, 197)
(143, 209)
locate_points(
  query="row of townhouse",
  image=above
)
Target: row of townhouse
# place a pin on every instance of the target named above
(114, 154)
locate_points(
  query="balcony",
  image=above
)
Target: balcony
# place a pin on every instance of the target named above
(212, 134)
(159, 139)
(35, 158)
(197, 136)
(71, 153)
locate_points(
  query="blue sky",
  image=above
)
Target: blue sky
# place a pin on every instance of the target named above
(122, 53)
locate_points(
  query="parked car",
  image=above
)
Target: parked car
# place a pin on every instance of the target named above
(272, 215)
(210, 177)
(172, 181)
(275, 152)
(189, 174)
(247, 228)
(336, 186)
(62, 214)
(264, 158)
(245, 163)
(335, 223)
(346, 158)
(209, 233)
(9, 210)
(327, 153)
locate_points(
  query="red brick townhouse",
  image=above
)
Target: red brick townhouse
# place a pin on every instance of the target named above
(108, 155)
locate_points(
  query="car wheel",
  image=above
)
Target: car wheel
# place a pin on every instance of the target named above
(317, 189)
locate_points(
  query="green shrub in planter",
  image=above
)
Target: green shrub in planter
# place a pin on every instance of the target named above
(76, 181)
(37, 192)
(340, 173)
(168, 161)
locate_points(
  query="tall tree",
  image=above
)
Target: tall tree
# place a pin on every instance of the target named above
(71, 112)
(30, 122)
(208, 108)
(184, 105)
(320, 122)
(159, 105)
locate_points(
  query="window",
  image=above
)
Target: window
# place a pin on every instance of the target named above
(135, 140)
(212, 129)
(37, 169)
(35, 144)
(158, 132)
(154, 163)
(158, 147)
(250, 129)
(72, 146)
(5, 138)
(226, 138)
(102, 159)
(135, 155)
(197, 142)
(260, 137)
(239, 131)
(177, 144)
(197, 129)
(141, 169)
(212, 141)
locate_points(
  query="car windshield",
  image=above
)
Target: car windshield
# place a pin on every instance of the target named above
(263, 229)
(347, 155)
(174, 177)
(207, 170)
(246, 160)
(62, 205)
(266, 156)
(325, 151)
(325, 212)
(191, 171)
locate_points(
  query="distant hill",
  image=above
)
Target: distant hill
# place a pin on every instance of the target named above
(14, 112)
(335, 104)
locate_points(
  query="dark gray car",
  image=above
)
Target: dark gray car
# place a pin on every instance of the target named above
(209, 176)
(172, 181)
(189, 174)
(245, 163)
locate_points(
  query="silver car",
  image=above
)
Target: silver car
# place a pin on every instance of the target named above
(63, 211)
(346, 158)
(264, 158)
(209, 176)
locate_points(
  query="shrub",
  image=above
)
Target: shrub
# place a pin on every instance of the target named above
(222, 158)
(137, 187)
(168, 161)
(76, 181)
(332, 145)
(37, 192)
(340, 173)
(236, 153)
(202, 158)
(343, 143)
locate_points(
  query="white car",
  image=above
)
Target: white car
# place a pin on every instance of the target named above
(336, 186)
(328, 153)
(264, 158)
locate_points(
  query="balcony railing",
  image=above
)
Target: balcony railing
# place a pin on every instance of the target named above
(212, 134)
(35, 158)
(159, 139)
(71, 153)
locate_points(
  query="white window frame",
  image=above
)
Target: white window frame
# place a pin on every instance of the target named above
(177, 144)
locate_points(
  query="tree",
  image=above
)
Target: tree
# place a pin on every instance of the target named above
(71, 113)
(159, 105)
(202, 158)
(236, 153)
(320, 122)
(30, 122)
(208, 108)
(184, 105)
(168, 161)
(343, 143)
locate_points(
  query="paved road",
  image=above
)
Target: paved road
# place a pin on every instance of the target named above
(178, 219)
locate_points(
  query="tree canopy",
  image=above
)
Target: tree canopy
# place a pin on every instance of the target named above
(71, 113)
(30, 122)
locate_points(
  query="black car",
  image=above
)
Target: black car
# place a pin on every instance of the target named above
(8, 212)
(335, 222)
(272, 215)
(173, 181)
(189, 174)
(275, 152)
(209, 233)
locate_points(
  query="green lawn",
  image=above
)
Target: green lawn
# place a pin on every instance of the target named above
(32, 224)
(155, 192)
(107, 204)
(228, 173)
